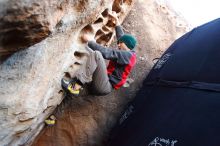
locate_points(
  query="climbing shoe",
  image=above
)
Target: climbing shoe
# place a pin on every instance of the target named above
(73, 86)
(50, 121)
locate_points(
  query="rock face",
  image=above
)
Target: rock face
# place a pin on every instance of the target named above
(43, 41)
(24, 23)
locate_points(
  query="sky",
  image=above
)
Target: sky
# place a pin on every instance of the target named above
(197, 12)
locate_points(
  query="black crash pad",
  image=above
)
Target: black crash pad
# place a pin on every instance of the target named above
(179, 103)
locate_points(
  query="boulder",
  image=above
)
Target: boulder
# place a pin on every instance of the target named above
(39, 44)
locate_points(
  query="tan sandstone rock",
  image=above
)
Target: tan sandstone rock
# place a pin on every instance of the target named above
(43, 39)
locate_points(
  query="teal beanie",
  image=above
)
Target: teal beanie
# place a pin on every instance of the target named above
(129, 40)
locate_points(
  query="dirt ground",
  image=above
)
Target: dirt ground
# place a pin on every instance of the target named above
(86, 121)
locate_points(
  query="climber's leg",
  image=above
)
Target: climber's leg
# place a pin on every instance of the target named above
(100, 80)
(95, 72)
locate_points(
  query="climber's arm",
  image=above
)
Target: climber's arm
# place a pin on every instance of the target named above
(121, 57)
(118, 29)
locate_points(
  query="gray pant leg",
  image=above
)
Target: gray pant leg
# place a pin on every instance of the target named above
(95, 70)
(100, 80)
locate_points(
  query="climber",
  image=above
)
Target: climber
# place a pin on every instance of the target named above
(104, 79)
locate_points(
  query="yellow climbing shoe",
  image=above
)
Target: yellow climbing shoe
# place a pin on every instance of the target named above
(72, 89)
(51, 120)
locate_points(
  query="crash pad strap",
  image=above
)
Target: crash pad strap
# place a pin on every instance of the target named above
(187, 84)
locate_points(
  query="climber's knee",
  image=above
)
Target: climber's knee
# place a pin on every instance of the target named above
(98, 55)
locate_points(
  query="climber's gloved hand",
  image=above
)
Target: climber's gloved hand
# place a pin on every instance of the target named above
(87, 37)
(114, 16)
